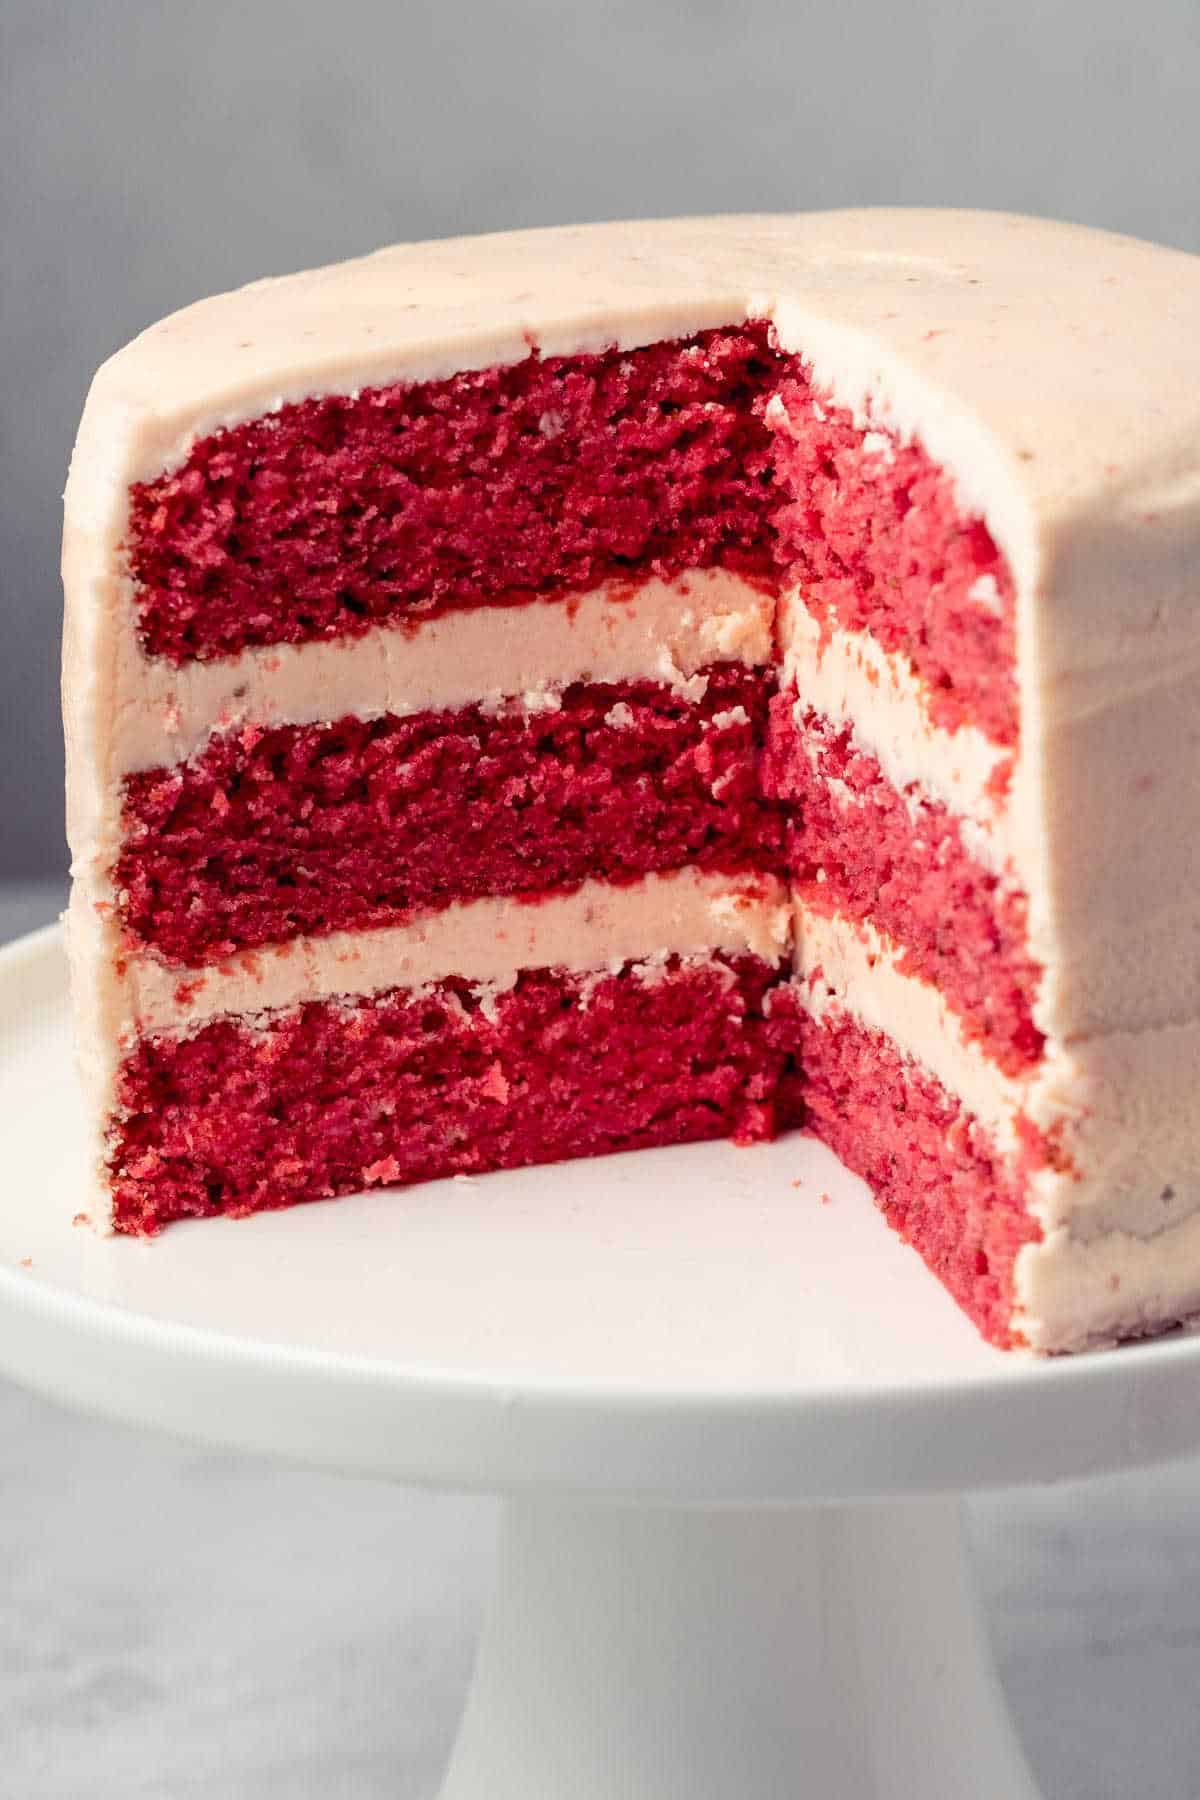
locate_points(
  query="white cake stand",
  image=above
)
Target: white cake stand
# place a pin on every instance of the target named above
(730, 1411)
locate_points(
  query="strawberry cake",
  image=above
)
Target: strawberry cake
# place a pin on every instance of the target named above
(581, 690)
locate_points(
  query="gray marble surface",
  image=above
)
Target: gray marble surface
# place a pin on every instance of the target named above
(177, 1624)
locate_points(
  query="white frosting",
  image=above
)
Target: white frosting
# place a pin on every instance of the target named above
(1074, 1293)
(645, 631)
(1067, 412)
(487, 942)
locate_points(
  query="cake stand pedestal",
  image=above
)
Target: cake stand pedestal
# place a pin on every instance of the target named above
(735, 1654)
(729, 1410)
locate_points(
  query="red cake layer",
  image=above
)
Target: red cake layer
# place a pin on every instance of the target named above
(931, 1167)
(874, 534)
(328, 516)
(332, 1097)
(855, 848)
(309, 829)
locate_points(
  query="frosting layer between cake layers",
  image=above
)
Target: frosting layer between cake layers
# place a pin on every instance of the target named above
(1069, 527)
(645, 629)
(485, 942)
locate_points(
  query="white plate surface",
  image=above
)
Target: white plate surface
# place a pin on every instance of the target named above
(707, 1322)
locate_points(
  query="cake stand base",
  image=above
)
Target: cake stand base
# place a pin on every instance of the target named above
(776, 1654)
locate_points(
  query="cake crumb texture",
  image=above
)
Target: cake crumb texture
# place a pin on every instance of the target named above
(859, 847)
(330, 1097)
(334, 515)
(296, 830)
(873, 533)
(932, 1169)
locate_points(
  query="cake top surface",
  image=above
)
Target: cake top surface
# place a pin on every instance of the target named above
(1075, 352)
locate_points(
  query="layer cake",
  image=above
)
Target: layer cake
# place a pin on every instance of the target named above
(583, 690)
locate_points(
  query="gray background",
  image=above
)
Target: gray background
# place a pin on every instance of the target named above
(152, 152)
(181, 1625)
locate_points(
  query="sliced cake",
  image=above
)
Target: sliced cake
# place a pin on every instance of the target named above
(590, 689)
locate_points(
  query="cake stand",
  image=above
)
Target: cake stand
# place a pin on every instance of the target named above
(731, 1413)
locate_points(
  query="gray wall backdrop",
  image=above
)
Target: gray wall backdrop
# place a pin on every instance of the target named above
(152, 151)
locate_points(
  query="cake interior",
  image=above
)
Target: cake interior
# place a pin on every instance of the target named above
(527, 490)
(332, 1096)
(266, 836)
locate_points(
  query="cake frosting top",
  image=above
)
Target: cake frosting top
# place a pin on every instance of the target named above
(1077, 351)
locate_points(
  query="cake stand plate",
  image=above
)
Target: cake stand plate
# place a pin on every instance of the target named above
(732, 1415)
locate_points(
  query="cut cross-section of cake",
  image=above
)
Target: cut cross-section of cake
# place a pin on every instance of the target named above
(592, 689)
